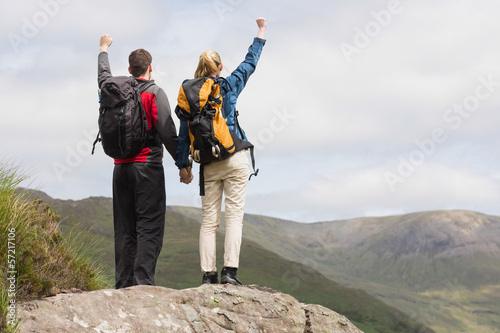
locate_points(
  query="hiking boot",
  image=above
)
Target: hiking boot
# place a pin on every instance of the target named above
(228, 275)
(210, 278)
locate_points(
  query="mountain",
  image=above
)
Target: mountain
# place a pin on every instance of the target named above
(178, 265)
(442, 268)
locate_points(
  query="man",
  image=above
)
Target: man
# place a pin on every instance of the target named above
(138, 182)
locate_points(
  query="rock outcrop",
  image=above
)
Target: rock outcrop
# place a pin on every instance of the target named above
(208, 308)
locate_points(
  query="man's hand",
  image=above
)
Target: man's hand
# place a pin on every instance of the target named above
(262, 24)
(105, 43)
(186, 176)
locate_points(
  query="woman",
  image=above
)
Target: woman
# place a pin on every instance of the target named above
(229, 176)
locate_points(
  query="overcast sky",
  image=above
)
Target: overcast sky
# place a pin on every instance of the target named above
(365, 108)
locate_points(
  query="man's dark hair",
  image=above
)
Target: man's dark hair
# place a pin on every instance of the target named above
(139, 61)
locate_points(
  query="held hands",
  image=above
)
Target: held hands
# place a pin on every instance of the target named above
(262, 24)
(185, 175)
(105, 43)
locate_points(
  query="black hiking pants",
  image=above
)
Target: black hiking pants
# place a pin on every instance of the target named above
(139, 221)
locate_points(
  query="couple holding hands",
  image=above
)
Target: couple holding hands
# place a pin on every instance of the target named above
(139, 195)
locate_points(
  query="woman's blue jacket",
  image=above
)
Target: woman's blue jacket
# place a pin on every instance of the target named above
(230, 92)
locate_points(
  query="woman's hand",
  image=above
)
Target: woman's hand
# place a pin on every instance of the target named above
(262, 24)
(186, 176)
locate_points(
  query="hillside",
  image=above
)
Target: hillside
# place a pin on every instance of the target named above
(178, 267)
(442, 268)
(36, 260)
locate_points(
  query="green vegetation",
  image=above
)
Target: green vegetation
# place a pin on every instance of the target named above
(435, 269)
(35, 259)
(441, 268)
(179, 267)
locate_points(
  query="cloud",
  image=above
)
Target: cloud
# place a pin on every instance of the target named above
(326, 129)
(364, 191)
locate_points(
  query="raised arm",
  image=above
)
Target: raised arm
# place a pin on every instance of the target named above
(239, 77)
(104, 70)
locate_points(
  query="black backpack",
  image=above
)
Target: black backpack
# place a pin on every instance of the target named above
(123, 128)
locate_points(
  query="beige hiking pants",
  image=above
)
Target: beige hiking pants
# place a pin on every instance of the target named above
(230, 177)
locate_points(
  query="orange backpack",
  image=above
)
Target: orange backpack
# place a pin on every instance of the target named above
(200, 104)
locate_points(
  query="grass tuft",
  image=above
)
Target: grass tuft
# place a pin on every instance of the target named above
(43, 261)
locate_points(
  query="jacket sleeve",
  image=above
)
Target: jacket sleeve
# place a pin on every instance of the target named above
(165, 124)
(184, 145)
(103, 68)
(240, 75)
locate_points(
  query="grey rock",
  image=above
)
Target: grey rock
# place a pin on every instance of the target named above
(208, 308)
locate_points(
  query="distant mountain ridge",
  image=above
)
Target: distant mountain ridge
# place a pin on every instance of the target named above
(411, 261)
(178, 266)
(441, 268)
(440, 236)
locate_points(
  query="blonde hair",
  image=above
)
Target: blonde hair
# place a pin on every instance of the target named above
(208, 64)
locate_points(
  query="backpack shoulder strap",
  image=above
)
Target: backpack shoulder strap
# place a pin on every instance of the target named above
(146, 86)
(142, 89)
(222, 79)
